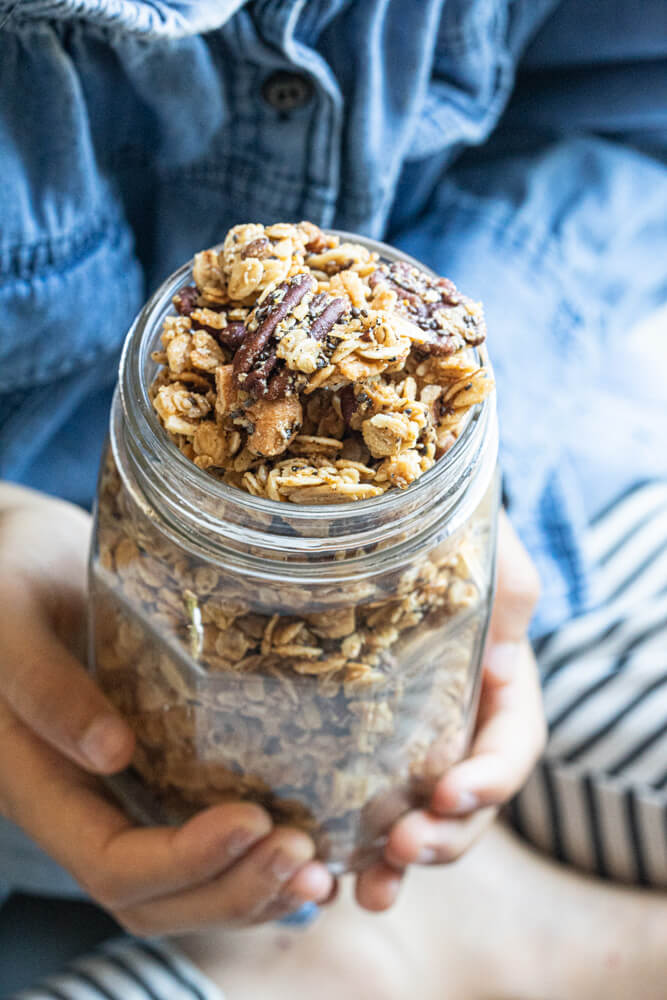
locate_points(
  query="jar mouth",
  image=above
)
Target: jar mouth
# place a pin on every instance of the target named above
(291, 524)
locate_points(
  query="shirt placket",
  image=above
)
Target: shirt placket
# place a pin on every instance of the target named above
(300, 78)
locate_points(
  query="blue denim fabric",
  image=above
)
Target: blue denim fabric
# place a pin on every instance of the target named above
(517, 146)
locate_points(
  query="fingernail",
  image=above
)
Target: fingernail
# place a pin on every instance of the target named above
(103, 742)
(283, 865)
(466, 802)
(239, 841)
(426, 856)
(319, 882)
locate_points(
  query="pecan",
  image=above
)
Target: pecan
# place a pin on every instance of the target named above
(475, 332)
(256, 248)
(257, 367)
(265, 383)
(228, 334)
(280, 376)
(348, 403)
(231, 336)
(266, 317)
(283, 383)
(185, 300)
(317, 242)
(331, 312)
(423, 299)
(257, 380)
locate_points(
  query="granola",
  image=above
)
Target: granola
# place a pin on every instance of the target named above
(302, 370)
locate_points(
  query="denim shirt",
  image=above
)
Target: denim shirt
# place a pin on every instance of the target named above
(516, 146)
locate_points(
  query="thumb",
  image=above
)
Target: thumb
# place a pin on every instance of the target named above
(517, 593)
(51, 692)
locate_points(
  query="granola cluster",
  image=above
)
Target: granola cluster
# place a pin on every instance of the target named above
(300, 369)
(303, 369)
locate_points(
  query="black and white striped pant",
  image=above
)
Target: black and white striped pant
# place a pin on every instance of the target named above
(598, 799)
(127, 970)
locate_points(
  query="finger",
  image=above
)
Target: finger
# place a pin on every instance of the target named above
(244, 895)
(52, 693)
(119, 864)
(377, 887)
(313, 883)
(517, 587)
(510, 736)
(425, 839)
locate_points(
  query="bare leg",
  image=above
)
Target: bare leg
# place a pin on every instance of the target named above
(503, 923)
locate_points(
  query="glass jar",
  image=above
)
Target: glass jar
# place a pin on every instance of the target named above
(322, 661)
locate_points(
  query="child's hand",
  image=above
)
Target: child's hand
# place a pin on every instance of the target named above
(509, 737)
(57, 730)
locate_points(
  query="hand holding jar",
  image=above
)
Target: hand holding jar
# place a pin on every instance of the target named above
(510, 734)
(58, 733)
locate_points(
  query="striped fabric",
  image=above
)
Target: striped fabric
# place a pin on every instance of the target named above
(127, 970)
(598, 799)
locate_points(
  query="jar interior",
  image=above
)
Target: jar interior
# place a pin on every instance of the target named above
(334, 708)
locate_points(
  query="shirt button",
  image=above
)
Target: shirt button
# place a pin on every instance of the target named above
(287, 91)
